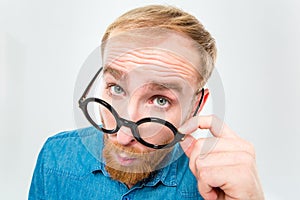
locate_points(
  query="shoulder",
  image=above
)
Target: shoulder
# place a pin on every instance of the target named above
(68, 139)
(66, 159)
(72, 134)
(71, 149)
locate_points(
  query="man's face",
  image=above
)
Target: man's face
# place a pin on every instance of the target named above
(146, 82)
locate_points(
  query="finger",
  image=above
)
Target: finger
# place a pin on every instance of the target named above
(224, 159)
(204, 146)
(209, 146)
(216, 126)
(207, 192)
(188, 144)
(227, 179)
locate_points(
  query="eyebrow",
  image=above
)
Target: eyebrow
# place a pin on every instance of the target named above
(117, 74)
(152, 85)
(164, 86)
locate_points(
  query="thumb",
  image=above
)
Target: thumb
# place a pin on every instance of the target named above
(189, 141)
(188, 144)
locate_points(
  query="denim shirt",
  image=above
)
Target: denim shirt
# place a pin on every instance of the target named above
(70, 166)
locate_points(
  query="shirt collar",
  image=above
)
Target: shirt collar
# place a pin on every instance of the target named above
(168, 174)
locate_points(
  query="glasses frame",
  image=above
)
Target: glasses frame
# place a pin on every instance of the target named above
(83, 102)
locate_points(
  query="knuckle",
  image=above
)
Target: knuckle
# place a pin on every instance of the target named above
(214, 116)
(248, 159)
(203, 174)
(247, 147)
(251, 149)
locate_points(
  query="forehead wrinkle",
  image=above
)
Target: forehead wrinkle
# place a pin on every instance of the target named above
(167, 71)
(155, 56)
(159, 57)
(153, 59)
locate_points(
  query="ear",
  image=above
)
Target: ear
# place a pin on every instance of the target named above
(205, 97)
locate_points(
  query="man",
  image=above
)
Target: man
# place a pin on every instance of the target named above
(144, 103)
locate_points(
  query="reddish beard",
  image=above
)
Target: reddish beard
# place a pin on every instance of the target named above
(148, 162)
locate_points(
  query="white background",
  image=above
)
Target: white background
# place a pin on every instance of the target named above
(44, 43)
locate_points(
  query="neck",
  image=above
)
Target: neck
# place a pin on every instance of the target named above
(129, 186)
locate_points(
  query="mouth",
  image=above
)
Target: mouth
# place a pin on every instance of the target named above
(125, 160)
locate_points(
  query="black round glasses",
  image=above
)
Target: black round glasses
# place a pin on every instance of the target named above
(143, 130)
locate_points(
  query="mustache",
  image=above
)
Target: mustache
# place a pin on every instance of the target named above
(128, 150)
(147, 155)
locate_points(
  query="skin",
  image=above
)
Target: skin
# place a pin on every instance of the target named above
(227, 171)
(136, 82)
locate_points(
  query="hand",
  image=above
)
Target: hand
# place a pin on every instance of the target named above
(224, 165)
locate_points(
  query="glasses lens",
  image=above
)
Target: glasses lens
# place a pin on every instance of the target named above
(155, 133)
(101, 115)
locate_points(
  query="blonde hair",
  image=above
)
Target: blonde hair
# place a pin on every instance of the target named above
(168, 17)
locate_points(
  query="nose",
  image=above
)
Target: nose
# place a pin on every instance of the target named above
(125, 137)
(129, 111)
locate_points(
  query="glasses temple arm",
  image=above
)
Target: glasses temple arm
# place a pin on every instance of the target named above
(86, 91)
(200, 102)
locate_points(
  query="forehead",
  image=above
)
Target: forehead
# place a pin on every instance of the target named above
(121, 42)
(168, 54)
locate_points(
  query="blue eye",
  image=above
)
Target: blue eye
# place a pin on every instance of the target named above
(116, 90)
(161, 101)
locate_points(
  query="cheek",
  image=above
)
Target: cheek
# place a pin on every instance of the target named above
(106, 97)
(156, 133)
(176, 116)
